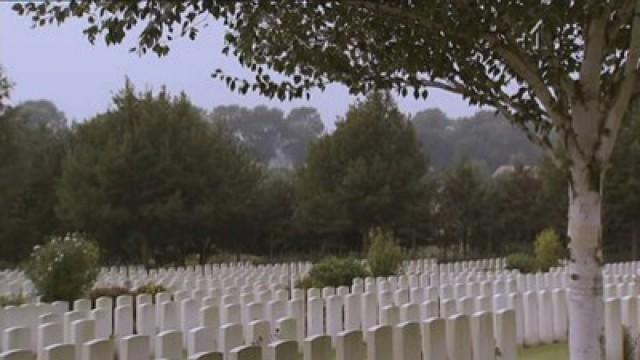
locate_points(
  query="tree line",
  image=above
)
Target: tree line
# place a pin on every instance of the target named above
(156, 180)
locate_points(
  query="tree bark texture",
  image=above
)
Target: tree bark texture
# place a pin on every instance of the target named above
(586, 303)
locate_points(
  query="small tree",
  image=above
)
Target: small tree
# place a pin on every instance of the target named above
(65, 268)
(548, 249)
(385, 257)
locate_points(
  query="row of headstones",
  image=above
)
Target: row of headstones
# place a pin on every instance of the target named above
(460, 337)
(15, 282)
(141, 276)
(376, 294)
(558, 278)
(542, 316)
(208, 269)
(411, 267)
(529, 282)
(622, 268)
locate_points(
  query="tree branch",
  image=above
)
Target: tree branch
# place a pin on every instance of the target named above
(454, 88)
(622, 17)
(527, 71)
(590, 80)
(626, 88)
(546, 148)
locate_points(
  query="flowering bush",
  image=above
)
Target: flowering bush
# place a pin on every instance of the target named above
(65, 268)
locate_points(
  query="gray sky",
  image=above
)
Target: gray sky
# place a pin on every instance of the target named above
(59, 64)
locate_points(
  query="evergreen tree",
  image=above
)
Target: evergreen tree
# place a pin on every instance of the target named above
(152, 180)
(368, 173)
(33, 136)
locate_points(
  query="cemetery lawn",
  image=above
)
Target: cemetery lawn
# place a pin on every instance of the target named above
(544, 352)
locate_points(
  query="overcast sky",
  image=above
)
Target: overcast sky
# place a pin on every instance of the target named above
(59, 64)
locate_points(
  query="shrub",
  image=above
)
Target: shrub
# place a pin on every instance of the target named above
(333, 271)
(64, 269)
(305, 283)
(385, 257)
(150, 289)
(12, 300)
(522, 261)
(548, 249)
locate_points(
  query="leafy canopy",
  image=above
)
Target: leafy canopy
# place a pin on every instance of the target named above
(275, 139)
(368, 172)
(33, 136)
(533, 61)
(152, 175)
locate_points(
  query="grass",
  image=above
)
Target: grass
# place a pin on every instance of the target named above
(544, 352)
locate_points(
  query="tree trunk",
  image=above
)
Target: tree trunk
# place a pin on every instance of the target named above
(586, 306)
(144, 251)
(635, 236)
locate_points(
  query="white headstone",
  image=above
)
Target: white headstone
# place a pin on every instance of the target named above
(100, 349)
(434, 346)
(409, 341)
(201, 339)
(82, 331)
(506, 334)
(283, 350)
(59, 352)
(317, 348)
(123, 317)
(458, 337)
(16, 338)
(379, 341)
(169, 345)
(246, 353)
(613, 329)
(230, 337)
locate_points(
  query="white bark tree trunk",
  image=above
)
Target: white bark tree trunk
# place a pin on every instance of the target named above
(586, 304)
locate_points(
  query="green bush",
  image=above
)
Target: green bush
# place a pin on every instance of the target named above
(12, 300)
(333, 271)
(548, 249)
(523, 262)
(64, 269)
(385, 257)
(151, 289)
